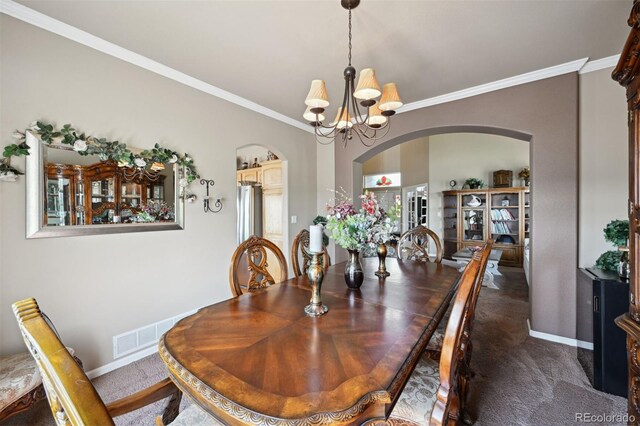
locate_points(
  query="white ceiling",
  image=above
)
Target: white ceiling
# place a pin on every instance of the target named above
(269, 51)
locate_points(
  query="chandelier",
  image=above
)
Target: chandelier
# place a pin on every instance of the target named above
(361, 113)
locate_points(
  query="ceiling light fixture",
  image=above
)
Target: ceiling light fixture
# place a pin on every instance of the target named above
(369, 127)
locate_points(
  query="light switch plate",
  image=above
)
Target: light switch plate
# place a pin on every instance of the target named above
(294, 219)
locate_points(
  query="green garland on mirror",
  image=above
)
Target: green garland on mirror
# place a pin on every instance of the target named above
(89, 145)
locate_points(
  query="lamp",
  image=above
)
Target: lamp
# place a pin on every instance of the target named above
(369, 125)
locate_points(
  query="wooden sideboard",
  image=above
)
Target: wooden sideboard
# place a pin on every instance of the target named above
(503, 214)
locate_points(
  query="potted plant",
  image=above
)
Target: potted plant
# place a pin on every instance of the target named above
(474, 183)
(525, 175)
(617, 233)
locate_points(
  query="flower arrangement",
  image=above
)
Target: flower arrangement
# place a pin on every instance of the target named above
(352, 229)
(88, 145)
(525, 174)
(380, 231)
(155, 211)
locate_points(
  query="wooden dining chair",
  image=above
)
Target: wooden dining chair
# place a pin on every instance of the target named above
(300, 251)
(435, 343)
(436, 390)
(414, 244)
(252, 265)
(72, 397)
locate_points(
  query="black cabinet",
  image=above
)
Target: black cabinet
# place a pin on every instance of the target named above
(601, 297)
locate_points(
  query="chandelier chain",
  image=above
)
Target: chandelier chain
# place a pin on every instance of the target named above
(349, 35)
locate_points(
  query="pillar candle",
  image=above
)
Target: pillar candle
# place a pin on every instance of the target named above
(315, 238)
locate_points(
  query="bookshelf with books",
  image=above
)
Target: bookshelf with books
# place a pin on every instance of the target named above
(472, 216)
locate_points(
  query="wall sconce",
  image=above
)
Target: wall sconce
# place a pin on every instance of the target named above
(217, 205)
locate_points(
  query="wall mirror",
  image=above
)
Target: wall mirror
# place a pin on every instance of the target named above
(69, 194)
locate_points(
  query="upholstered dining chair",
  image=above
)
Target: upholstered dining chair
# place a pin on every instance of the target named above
(72, 397)
(436, 390)
(256, 263)
(300, 251)
(414, 244)
(20, 384)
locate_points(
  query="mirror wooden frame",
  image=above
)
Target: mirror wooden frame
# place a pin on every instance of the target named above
(35, 194)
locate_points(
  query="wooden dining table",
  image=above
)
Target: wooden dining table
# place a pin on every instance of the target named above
(258, 359)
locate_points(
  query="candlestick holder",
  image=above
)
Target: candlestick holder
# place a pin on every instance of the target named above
(382, 257)
(315, 273)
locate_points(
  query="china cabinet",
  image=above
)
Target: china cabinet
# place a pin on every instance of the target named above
(626, 73)
(112, 193)
(472, 216)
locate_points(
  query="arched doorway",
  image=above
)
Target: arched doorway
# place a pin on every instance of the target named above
(546, 113)
(262, 194)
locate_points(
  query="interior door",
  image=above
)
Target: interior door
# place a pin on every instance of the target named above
(415, 206)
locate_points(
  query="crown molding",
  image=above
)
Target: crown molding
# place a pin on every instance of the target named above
(517, 80)
(30, 16)
(33, 17)
(600, 64)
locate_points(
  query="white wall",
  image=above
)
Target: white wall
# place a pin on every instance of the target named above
(325, 180)
(411, 158)
(414, 161)
(604, 164)
(98, 286)
(460, 156)
(439, 159)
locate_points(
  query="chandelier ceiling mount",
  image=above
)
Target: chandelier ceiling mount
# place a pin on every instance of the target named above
(372, 123)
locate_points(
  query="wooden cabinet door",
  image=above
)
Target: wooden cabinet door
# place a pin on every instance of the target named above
(272, 175)
(249, 175)
(272, 221)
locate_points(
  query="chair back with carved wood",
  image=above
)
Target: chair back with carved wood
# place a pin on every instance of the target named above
(484, 260)
(465, 372)
(72, 398)
(451, 393)
(256, 263)
(414, 244)
(300, 252)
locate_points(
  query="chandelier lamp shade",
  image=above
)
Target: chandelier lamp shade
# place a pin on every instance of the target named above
(366, 109)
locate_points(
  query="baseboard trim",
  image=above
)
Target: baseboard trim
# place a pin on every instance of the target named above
(121, 362)
(558, 339)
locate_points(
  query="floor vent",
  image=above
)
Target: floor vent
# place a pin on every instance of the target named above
(143, 337)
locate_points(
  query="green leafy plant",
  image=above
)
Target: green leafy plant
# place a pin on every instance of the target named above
(617, 232)
(609, 260)
(90, 145)
(474, 183)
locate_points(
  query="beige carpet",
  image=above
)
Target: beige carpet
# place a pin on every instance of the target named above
(519, 380)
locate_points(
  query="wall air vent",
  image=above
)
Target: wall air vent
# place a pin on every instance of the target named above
(143, 337)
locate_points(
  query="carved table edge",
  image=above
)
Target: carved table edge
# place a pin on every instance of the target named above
(239, 412)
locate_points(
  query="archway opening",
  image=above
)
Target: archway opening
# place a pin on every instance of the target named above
(261, 176)
(434, 165)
